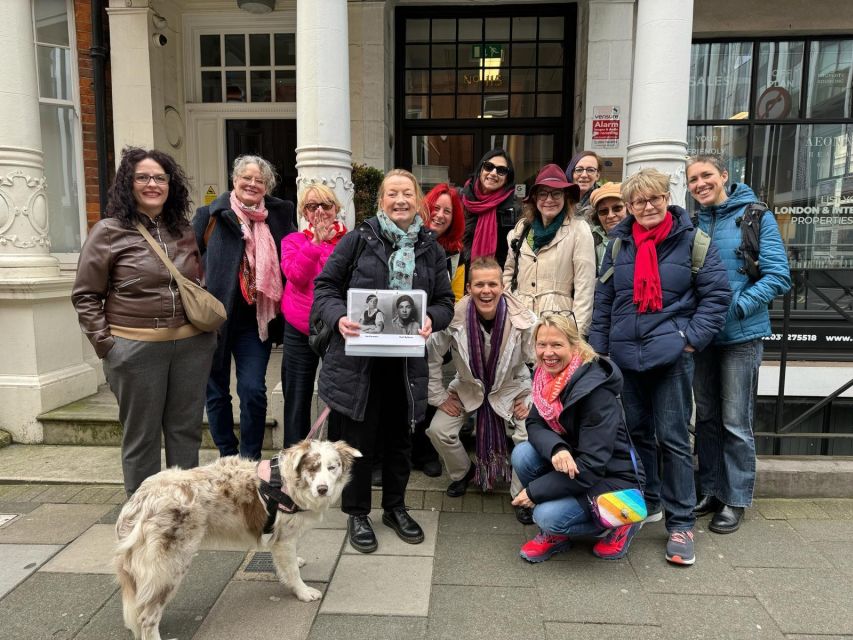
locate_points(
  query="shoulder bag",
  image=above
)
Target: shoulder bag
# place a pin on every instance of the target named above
(203, 309)
(618, 508)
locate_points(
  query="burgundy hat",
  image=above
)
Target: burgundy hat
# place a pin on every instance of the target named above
(553, 176)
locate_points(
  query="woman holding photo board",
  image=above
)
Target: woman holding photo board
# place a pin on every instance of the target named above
(374, 398)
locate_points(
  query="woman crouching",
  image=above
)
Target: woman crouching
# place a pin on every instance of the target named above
(577, 446)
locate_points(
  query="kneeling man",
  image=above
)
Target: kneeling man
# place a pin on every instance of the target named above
(490, 342)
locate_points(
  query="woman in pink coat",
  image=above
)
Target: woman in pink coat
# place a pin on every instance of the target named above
(303, 256)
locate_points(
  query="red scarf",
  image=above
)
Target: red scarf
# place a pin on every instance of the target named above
(547, 389)
(648, 295)
(485, 206)
(338, 226)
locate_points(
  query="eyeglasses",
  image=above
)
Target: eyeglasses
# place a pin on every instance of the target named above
(253, 179)
(615, 209)
(554, 195)
(143, 178)
(313, 206)
(589, 170)
(488, 167)
(640, 203)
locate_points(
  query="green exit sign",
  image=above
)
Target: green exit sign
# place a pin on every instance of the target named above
(487, 51)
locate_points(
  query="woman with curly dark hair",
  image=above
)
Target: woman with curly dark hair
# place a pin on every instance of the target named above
(129, 307)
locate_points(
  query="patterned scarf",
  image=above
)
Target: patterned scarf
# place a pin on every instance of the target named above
(401, 263)
(338, 226)
(547, 390)
(260, 273)
(648, 294)
(485, 206)
(542, 235)
(491, 459)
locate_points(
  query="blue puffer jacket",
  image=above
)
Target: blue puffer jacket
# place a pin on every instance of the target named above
(693, 311)
(748, 318)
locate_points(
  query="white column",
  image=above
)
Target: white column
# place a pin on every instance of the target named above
(323, 149)
(43, 363)
(24, 241)
(659, 100)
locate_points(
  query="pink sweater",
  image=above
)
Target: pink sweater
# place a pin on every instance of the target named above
(301, 262)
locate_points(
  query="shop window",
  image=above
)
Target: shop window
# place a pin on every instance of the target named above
(253, 67)
(60, 122)
(719, 80)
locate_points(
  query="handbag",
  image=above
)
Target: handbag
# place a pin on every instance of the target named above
(618, 508)
(203, 309)
(319, 333)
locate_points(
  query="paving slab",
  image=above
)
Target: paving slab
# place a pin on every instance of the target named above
(18, 561)
(476, 524)
(768, 543)
(839, 554)
(380, 585)
(59, 493)
(18, 507)
(320, 550)
(390, 543)
(784, 509)
(715, 617)
(494, 503)
(473, 613)
(53, 605)
(346, 627)
(595, 631)
(333, 519)
(484, 560)
(209, 573)
(264, 612)
(826, 530)
(52, 523)
(98, 495)
(805, 601)
(92, 552)
(711, 575)
(603, 592)
(837, 508)
(111, 516)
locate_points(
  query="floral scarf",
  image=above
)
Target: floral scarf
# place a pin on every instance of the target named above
(547, 390)
(401, 263)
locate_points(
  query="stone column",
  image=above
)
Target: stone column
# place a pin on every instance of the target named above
(323, 149)
(659, 99)
(43, 363)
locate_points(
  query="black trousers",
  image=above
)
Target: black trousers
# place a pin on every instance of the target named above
(385, 427)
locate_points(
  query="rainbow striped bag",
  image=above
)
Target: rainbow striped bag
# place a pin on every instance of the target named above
(618, 508)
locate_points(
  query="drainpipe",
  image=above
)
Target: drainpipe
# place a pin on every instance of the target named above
(98, 53)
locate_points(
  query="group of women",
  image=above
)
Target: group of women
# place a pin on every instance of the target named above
(575, 258)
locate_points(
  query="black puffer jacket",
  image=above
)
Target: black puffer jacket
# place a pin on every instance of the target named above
(596, 436)
(221, 257)
(345, 380)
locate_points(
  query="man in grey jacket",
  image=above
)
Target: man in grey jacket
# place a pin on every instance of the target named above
(490, 340)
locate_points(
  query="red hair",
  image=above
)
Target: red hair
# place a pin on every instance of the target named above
(451, 239)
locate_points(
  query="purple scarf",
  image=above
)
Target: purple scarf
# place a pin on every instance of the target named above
(491, 459)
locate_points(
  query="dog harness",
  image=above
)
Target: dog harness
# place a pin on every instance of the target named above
(273, 492)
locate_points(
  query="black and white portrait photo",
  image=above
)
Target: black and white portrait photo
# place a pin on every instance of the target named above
(389, 320)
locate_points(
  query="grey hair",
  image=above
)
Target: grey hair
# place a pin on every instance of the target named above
(267, 170)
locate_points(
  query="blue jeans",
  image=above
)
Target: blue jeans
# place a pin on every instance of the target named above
(658, 403)
(725, 387)
(251, 357)
(298, 371)
(565, 516)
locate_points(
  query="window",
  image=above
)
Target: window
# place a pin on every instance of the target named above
(247, 67)
(61, 143)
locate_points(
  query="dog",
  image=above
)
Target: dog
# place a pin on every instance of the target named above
(163, 524)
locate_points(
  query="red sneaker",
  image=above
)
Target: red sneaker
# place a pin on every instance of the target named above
(543, 546)
(615, 544)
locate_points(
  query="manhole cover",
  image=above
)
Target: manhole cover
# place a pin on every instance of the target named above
(261, 562)
(5, 518)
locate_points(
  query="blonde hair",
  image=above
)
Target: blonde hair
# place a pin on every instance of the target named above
(647, 182)
(324, 193)
(569, 329)
(419, 194)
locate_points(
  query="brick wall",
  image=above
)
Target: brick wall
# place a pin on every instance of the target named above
(83, 24)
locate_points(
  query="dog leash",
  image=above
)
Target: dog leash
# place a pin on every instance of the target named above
(316, 426)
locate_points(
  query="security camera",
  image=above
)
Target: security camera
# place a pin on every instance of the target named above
(159, 39)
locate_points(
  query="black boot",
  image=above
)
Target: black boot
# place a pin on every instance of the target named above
(361, 535)
(457, 488)
(706, 504)
(727, 519)
(405, 526)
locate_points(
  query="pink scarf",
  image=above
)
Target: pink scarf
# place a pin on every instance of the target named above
(261, 253)
(547, 390)
(485, 206)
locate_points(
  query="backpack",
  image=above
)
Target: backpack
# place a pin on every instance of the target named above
(700, 243)
(750, 235)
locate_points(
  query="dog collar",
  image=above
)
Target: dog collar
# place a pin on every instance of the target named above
(273, 492)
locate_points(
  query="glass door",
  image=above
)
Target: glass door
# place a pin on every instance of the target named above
(273, 140)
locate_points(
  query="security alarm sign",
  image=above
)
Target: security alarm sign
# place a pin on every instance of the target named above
(606, 127)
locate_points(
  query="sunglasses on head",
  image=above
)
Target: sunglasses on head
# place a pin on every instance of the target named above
(559, 312)
(488, 167)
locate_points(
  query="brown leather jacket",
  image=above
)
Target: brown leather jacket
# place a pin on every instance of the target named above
(121, 281)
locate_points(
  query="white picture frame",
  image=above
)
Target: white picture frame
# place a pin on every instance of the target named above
(390, 321)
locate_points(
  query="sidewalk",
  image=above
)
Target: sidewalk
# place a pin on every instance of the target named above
(788, 573)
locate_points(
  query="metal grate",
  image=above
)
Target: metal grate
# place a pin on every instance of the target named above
(261, 562)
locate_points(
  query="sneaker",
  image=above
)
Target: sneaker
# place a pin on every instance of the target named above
(615, 544)
(543, 546)
(679, 548)
(654, 516)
